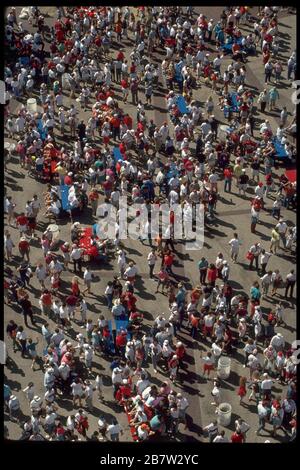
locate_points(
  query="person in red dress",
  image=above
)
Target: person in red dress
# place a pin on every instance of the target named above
(242, 389)
(75, 286)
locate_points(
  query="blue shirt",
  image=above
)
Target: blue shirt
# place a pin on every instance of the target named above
(203, 264)
(7, 392)
(155, 423)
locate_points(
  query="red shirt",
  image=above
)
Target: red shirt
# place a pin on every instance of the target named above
(168, 260)
(71, 300)
(124, 84)
(75, 289)
(68, 180)
(194, 321)
(227, 173)
(128, 121)
(131, 301)
(163, 276)
(121, 340)
(120, 56)
(115, 122)
(23, 245)
(212, 274)
(93, 196)
(46, 299)
(107, 185)
(22, 220)
(237, 438)
(180, 352)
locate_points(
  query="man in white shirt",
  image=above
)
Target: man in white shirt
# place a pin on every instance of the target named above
(266, 386)
(173, 197)
(87, 278)
(264, 258)
(277, 342)
(151, 258)
(235, 245)
(114, 430)
(266, 280)
(255, 250)
(212, 430)
(76, 254)
(131, 272)
(282, 229)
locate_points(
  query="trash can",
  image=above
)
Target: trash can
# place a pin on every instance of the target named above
(31, 105)
(224, 414)
(223, 370)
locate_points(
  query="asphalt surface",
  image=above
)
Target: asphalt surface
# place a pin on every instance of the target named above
(233, 214)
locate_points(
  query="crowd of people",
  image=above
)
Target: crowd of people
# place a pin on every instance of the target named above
(109, 154)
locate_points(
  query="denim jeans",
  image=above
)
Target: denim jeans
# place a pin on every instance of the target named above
(109, 300)
(227, 185)
(261, 424)
(275, 212)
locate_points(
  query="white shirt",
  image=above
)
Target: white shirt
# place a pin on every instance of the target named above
(21, 335)
(151, 258)
(282, 227)
(113, 429)
(64, 371)
(267, 384)
(265, 257)
(76, 389)
(76, 253)
(87, 276)
(234, 243)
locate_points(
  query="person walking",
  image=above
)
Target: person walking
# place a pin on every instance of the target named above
(235, 245)
(263, 100)
(273, 97)
(203, 266)
(152, 258)
(275, 240)
(290, 283)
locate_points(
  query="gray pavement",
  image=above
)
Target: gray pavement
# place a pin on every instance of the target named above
(233, 214)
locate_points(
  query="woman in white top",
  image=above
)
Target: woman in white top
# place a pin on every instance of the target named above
(77, 391)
